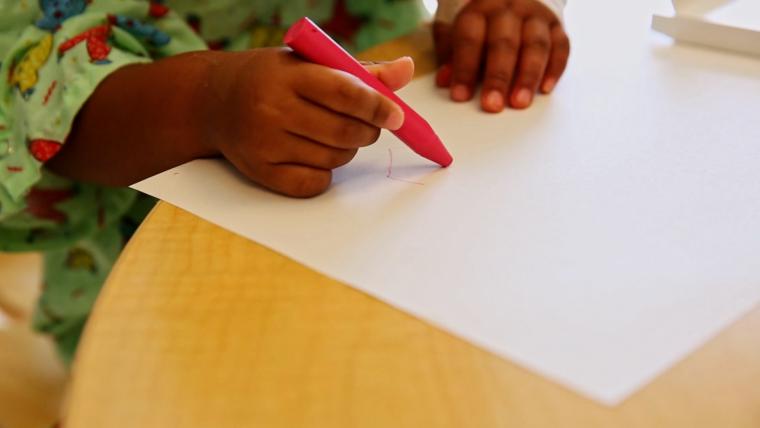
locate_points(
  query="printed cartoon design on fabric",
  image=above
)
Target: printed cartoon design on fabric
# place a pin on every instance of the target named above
(196, 24)
(343, 24)
(44, 310)
(5, 143)
(43, 150)
(97, 44)
(81, 259)
(24, 75)
(193, 21)
(158, 9)
(265, 36)
(42, 203)
(137, 28)
(57, 11)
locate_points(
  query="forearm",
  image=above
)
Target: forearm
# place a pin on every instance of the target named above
(141, 120)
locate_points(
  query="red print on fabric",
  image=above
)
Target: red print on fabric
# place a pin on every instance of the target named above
(97, 43)
(41, 203)
(343, 24)
(49, 92)
(158, 10)
(43, 150)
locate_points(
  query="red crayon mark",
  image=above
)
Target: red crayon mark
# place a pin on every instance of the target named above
(49, 92)
(390, 171)
(390, 163)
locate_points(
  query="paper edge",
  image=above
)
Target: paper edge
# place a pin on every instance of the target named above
(611, 400)
(689, 29)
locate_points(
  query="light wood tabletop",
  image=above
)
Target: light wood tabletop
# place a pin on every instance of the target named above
(198, 327)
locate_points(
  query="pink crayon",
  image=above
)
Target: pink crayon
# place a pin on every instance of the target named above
(310, 42)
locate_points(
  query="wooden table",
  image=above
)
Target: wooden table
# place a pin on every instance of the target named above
(198, 327)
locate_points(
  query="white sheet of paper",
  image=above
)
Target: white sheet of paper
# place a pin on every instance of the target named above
(724, 24)
(735, 13)
(596, 238)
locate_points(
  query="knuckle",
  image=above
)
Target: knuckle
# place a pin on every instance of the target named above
(379, 111)
(349, 92)
(308, 183)
(468, 29)
(467, 41)
(366, 135)
(353, 133)
(559, 36)
(374, 136)
(540, 43)
(562, 45)
(266, 111)
(505, 44)
(499, 77)
(530, 77)
(464, 76)
(342, 158)
(467, 18)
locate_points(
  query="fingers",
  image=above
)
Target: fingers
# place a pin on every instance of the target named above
(329, 128)
(443, 76)
(442, 38)
(297, 181)
(394, 74)
(534, 57)
(469, 36)
(503, 42)
(346, 94)
(519, 47)
(297, 150)
(557, 60)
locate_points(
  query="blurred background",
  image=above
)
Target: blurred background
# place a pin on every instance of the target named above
(31, 377)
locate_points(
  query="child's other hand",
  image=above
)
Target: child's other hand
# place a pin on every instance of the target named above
(518, 47)
(286, 123)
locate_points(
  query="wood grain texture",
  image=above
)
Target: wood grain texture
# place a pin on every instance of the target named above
(198, 327)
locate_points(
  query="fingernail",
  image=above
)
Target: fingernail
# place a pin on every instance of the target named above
(395, 119)
(460, 93)
(494, 101)
(549, 85)
(523, 97)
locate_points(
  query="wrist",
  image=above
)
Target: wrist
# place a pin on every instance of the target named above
(196, 101)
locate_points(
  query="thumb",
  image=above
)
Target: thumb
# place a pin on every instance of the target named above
(394, 74)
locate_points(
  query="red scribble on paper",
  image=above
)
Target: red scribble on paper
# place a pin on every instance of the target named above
(390, 171)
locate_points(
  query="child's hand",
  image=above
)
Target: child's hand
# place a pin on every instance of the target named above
(520, 44)
(282, 122)
(286, 123)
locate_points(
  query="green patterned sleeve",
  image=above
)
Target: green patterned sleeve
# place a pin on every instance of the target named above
(54, 54)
